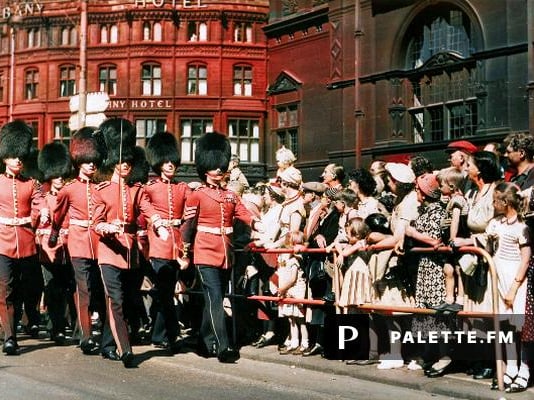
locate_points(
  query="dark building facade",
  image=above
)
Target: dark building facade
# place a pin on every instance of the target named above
(184, 66)
(392, 78)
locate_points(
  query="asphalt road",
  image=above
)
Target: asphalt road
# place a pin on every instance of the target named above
(44, 371)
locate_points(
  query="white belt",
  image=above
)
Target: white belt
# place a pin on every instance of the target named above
(225, 230)
(170, 222)
(47, 231)
(15, 221)
(84, 223)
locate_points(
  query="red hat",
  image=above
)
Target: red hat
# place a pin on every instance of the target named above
(461, 145)
(429, 185)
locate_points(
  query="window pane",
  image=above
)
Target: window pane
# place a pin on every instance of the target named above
(157, 32)
(157, 88)
(104, 34)
(202, 87)
(114, 34)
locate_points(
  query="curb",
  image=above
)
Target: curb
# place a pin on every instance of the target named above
(457, 385)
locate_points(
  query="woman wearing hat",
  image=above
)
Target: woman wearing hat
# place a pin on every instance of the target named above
(430, 284)
(397, 291)
(483, 170)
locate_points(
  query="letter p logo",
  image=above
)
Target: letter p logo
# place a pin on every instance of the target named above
(342, 335)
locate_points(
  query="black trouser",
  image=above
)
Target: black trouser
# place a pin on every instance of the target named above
(213, 328)
(116, 288)
(11, 290)
(31, 283)
(90, 297)
(57, 280)
(165, 278)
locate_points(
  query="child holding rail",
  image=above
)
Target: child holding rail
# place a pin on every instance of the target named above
(511, 258)
(292, 283)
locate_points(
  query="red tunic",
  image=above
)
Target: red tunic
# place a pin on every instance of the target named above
(21, 201)
(57, 254)
(210, 211)
(75, 205)
(123, 207)
(168, 200)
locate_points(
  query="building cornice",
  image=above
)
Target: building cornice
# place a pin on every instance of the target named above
(446, 61)
(295, 22)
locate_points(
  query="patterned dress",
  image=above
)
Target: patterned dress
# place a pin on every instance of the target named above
(430, 286)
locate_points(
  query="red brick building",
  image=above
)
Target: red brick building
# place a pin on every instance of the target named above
(180, 65)
(392, 78)
(334, 80)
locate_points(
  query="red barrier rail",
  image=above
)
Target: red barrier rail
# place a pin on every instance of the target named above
(384, 309)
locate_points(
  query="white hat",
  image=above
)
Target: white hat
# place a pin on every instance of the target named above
(400, 172)
(291, 175)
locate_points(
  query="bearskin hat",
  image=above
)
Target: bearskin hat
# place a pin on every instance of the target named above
(84, 147)
(213, 151)
(16, 138)
(118, 135)
(54, 161)
(162, 148)
(30, 170)
(140, 167)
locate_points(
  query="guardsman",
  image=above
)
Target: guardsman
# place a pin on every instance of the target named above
(74, 204)
(118, 206)
(209, 216)
(167, 196)
(21, 207)
(55, 165)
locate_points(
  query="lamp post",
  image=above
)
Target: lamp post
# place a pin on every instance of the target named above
(12, 22)
(82, 111)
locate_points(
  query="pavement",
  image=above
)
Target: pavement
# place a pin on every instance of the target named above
(457, 385)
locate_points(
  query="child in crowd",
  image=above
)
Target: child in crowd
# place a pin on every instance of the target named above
(357, 284)
(511, 257)
(291, 283)
(453, 225)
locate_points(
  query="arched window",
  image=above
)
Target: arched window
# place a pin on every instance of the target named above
(113, 34)
(243, 32)
(34, 37)
(158, 32)
(104, 34)
(68, 36)
(197, 31)
(109, 34)
(441, 102)
(147, 31)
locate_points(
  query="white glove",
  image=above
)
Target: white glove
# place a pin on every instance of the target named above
(44, 217)
(259, 227)
(163, 233)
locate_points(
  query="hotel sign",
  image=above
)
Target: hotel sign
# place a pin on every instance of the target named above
(140, 104)
(173, 3)
(21, 9)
